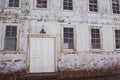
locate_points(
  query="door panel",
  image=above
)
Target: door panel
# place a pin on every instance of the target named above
(42, 55)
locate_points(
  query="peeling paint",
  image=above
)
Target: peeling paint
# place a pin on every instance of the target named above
(30, 20)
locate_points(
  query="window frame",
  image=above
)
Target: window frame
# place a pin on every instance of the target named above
(61, 7)
(10, 37)
(112, 8)
(13, 6)
(95, 40)
(13, 3)
(67, 39)
(67, 5)
(97, 7)
(114, 42)
(36, 8)
(41, 4)
(115, 39)
(101, 39)
(4, 34)
(68, 51)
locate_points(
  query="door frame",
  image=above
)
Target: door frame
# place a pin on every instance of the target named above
(28, 50)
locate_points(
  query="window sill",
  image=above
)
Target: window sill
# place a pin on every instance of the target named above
(96, 51)
(69, 51)
(43, 9)
(117, 50)
(115, 15)
(9, 51)
(16, 8)
(68, 10)
(92, 12)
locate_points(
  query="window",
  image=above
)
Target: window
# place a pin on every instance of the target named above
(10, 38)
(68, 38)
(116, 6)
(41, 4)
(13, 3)
(67, 5)
(93, 5)
(95, 38)
(117, 39)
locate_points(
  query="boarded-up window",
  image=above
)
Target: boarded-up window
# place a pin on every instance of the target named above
(117, 38)
(68, 38)
(41, 4)
(13, 3)
(67, 5)
(116, 6)
(10, 38)
(93, 5)
(95, 38)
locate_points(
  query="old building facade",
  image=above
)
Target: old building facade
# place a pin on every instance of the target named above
(42, 29)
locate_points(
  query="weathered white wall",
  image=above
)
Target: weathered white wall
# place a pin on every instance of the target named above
(30, 21)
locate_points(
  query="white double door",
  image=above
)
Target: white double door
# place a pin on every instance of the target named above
(42, 55)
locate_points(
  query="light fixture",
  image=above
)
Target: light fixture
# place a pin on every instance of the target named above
(42, 30)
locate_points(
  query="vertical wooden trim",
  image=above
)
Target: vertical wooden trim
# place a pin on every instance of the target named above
(75, 37)
(28, 54)
(55, 54)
